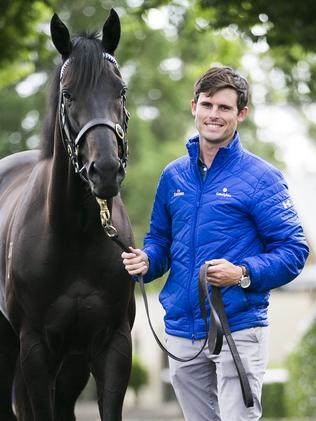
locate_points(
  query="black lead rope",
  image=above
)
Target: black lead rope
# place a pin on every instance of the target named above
(145, 300)
(243, 379)
(218, 324)
(216, 303)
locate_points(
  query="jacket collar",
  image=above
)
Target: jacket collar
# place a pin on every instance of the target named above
(233, 148)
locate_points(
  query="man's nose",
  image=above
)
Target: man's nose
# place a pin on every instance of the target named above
(214, 111)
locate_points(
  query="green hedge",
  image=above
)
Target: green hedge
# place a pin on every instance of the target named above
(273, 400)
(296, 397)
(301, 387)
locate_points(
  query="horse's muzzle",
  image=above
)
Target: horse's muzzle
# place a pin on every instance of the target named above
(105, 178)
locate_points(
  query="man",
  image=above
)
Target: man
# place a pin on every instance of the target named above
(226, 206)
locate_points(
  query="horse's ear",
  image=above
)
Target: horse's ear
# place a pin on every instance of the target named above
(60, 36)
(111, 32)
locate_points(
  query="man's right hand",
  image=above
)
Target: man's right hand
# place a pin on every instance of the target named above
(136, 262)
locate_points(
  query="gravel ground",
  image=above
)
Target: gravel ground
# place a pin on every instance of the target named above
(89, 412)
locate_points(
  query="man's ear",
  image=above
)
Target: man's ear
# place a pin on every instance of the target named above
(242, 115)
(193, 107)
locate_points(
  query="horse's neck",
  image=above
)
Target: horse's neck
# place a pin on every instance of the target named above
(67, 197)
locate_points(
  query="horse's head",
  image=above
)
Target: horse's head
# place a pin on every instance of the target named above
(92, 114)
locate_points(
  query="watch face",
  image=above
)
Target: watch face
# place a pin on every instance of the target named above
(245, 282)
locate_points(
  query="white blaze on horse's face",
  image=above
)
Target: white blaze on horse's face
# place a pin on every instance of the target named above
(92, 107)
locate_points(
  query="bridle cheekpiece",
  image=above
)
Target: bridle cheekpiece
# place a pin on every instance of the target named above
(72, 141)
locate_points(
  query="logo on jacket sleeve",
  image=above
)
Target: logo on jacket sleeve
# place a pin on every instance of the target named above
(287, 204)
(224, 193)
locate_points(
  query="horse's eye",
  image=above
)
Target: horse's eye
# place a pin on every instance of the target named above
(124, 91)
(67, 95)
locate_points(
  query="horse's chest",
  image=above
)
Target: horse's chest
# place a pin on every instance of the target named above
(65, 262)
(63, 285)
(81, 305)
(77, 317)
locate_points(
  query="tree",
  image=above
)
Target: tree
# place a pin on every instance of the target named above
(21, 38)
(287, 23)
(165, 46)
(288, 28)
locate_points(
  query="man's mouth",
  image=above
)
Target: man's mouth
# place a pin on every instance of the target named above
(213, 124)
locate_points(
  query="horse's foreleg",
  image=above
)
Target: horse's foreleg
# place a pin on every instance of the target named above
(8, 357)
(111, 370)
(38, 373)
(71, 380)
(23, 407)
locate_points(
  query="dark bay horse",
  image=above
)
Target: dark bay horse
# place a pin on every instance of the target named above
(67, 304)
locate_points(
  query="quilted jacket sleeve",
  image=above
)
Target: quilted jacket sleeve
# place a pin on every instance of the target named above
(281, 233)
(158, 240)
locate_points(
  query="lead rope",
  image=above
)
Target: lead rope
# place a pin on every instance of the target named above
(218, 318)
(111, 232)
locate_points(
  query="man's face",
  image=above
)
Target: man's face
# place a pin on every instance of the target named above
(216, 117)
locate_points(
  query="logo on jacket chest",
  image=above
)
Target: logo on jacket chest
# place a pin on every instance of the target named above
(224, 193)
(177, 193)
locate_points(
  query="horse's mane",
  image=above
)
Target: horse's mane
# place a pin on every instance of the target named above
(87, 64)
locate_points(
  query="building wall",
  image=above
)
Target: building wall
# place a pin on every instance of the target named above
(290, 313)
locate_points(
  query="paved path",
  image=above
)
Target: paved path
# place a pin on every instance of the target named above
(89, 412)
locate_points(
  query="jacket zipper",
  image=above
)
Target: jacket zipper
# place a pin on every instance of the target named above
(193, 238)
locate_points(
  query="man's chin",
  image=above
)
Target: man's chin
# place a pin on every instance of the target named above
(216, 141)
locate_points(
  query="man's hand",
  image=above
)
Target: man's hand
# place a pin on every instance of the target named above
(222, 273)
(136, 262)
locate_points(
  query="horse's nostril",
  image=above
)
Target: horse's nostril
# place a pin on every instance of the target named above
(102, 169)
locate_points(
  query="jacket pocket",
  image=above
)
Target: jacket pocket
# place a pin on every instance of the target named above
(235, 300)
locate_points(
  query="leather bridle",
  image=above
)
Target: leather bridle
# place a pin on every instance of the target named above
(72, 140)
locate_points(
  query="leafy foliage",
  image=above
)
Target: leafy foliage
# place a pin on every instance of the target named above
(22, 39)
(288, 23)
(273, 402)
(300, 389)
(139, 376)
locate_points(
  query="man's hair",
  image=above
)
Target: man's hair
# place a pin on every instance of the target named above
(217, 78)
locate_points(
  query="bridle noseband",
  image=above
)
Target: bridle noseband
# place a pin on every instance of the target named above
(72, 141)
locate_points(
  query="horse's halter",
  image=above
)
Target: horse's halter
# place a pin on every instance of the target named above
(72, 141)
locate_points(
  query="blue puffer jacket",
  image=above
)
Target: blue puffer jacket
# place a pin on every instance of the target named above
(242, 212)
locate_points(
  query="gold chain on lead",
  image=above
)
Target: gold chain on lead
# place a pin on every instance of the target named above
(105, 218)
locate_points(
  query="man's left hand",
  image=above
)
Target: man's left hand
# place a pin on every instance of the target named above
(222, 273)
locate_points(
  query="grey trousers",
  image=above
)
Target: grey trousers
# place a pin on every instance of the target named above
(208, 387)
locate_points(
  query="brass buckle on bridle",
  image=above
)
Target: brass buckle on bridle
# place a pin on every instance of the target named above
(105, 217)
(119, 131)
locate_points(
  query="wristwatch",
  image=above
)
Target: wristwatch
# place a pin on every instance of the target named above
(244, 281)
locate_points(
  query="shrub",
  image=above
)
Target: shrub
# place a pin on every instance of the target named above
(273, 403)
(139, 376)
(301, 387)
